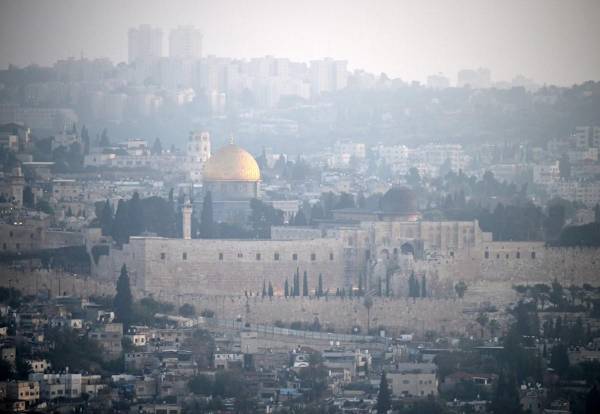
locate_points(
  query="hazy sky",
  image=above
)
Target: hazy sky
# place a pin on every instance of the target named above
(552, 41)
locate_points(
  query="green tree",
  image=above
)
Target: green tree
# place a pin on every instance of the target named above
(564, 167)
(592, 400)
(123, 302)
(121, 226)
(157, 147)
(559, 359)
(384, 401)
(28, 197)
(136, 215)
(460, 288)
(482, 319)
(207, 223)
(104, 139)
(555, 221)
(506, 397)
(201, 385)
(494, 326)
(300, 219)
(368, 304)
(305, 284)
(320, 286)
(187, 310)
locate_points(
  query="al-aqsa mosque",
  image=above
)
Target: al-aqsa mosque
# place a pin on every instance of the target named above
(232, 177)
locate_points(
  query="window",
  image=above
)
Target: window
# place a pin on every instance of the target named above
(240, 255)
(451, 254)
(313, 257)
(486, 255)
(518, 255)
(257, 256)
(533, 255)
(184, 256)
(18, 246)
(331, 255)
(507, 255)
(10, 233)
(220, 256)
(276, 256)
(497, 255)
(163, 256)
(4, 246)
(295, 256)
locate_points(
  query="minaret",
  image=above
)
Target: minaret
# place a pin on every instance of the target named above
(187, 221)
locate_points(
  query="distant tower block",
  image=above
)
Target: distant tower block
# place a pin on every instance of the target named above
(187, 221)
(198, 152)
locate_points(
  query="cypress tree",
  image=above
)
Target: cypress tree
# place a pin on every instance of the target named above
(413, 286)
(300, 219)
(123, 302)
(270, 290)
(423, 287)
(206, 218)
(305, 284)
(360, 286)
(297, 283)
(286, 289)
(136, 215)
(320, 286)
(106, 219)
(264, 289)
(121, 229)
(384, 401)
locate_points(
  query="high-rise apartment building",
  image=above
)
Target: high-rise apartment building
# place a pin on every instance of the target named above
(185, 42)
(144, 42)
(328, 75)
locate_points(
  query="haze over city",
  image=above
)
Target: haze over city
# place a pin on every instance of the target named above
(286, 207)
(552, 41)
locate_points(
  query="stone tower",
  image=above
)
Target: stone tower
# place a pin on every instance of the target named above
(187, 221)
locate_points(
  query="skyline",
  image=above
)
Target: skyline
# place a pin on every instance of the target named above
(539, 40)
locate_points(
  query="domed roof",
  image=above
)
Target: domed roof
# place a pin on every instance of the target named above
(399, 200)
(231, 163)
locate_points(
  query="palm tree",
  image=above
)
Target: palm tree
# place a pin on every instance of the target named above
(368, 303)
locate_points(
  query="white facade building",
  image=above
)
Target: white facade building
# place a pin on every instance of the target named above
(185, 42)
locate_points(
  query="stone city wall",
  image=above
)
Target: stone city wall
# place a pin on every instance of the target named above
(52, 282)
(168, 266)
(395, 315)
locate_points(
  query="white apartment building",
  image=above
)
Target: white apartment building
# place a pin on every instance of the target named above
(413, 380)
(396, 157)
(198, 152)
(546, 174)
(144, 42)
(185, 42)
(585, 137)
(54, 386)
(587, 193)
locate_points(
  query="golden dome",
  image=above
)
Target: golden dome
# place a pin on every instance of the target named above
(231, 163)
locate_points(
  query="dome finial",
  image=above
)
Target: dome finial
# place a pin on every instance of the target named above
(231, 141)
